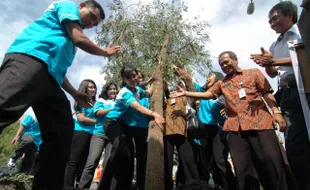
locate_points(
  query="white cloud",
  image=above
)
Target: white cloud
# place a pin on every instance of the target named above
(10, 32)
(244, 37)
(206, 9)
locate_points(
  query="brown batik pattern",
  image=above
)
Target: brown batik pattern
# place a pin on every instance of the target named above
(250, 112)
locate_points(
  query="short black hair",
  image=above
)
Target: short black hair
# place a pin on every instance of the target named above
(231, 54)
(287, 8)
(95, 4)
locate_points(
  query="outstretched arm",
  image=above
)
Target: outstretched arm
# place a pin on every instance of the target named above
(83, 42)
(198, 95)
(158, 118)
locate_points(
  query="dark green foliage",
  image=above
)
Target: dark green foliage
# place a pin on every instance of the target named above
(140, 29)
(6, 149)
(16, 182)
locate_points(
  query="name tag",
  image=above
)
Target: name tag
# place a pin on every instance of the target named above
(242, 93)
(172, 101)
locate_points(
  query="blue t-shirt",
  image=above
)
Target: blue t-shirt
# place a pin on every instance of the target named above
(88, 128)
(101, 104)
(198, 88)
(209, 112)
(32, 128)
(197, 141)
(125, 97)
(48, 40)
(138, 119)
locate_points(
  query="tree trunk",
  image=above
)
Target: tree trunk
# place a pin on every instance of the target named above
(155, 157)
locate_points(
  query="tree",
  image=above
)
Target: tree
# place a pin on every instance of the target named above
(153, 38)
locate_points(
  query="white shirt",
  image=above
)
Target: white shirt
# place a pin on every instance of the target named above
(280, 49)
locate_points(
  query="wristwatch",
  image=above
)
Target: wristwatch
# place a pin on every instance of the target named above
(277, 112)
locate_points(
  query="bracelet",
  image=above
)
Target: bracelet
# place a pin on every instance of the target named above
(152, 113)
(277, 112)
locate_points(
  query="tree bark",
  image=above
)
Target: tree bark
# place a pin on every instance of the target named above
(155, 157)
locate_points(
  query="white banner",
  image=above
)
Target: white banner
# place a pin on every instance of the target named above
(300, 86)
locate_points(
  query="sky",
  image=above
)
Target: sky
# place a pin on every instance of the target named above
(230, 29)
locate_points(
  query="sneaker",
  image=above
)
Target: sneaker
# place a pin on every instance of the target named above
(11, 163)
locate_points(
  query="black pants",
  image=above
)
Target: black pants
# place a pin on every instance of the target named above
(200, 158)
(78, 156)
(216, 150)
(25, 82)
(186, 157)
(120, 163)
(296, 136)
(140, 136)
(259, 151)
(107, 154)
(26, 146)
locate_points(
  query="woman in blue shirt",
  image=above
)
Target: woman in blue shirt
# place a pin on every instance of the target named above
(139, 124)
(216, 148)
(120, 163)
(99, 141)
(83, 130)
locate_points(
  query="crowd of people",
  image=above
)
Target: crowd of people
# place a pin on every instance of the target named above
(234, 114)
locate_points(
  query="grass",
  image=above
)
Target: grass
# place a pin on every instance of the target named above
(17, 181)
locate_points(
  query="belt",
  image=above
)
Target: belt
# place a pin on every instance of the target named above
(288, 84)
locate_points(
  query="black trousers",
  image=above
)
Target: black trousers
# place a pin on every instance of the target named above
(296, 136)
(140, 138)
(78, 156)
(200, 157)
(26, 146)
(216, 150)
(107, 154)
(25, 82)
(120, 163)
(186, 159)
(257, 151)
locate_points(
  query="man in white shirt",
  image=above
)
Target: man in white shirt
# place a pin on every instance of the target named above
(277, 62)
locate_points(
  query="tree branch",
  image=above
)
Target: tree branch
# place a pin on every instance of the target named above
(174, 51)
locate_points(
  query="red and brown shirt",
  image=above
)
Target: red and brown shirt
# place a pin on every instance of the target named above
(248, 112)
